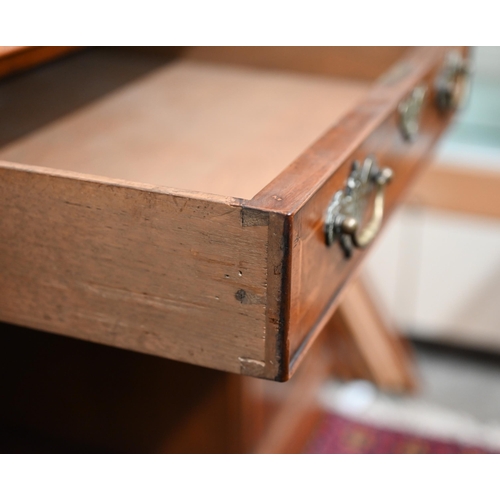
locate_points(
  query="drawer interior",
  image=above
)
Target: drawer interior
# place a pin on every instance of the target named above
(216, 120)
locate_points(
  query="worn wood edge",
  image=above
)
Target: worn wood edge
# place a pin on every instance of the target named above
(17, 59)
(457, 188)
(342, 140)
(275, 366)
(278, 297)
(97, 179)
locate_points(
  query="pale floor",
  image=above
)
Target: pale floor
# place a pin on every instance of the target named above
(459, 398)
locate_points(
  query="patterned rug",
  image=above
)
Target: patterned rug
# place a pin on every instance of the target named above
(338, 434)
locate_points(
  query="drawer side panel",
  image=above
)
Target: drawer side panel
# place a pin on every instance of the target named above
(141, 269)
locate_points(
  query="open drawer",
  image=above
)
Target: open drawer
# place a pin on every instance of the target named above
(174, 202)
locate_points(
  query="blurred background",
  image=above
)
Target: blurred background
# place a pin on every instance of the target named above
(435, 274)
(437, 270)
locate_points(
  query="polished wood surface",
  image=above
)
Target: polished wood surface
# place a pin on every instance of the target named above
(317, 273)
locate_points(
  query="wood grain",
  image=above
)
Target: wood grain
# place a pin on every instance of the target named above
(138, 267)
(15, 59)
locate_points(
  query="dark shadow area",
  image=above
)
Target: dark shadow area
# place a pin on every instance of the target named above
(458, 353)
(62, 395)
(41, 95)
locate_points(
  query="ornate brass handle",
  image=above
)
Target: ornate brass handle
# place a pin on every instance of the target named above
(410, 110)
(347, 207)
(453, 83)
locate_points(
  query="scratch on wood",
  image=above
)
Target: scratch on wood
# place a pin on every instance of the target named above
(162, 303)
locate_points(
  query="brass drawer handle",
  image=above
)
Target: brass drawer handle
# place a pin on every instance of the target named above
(453, 83)
(345, 212)
(410, 110)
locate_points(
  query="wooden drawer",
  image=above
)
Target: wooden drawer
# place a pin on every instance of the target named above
(173, 202)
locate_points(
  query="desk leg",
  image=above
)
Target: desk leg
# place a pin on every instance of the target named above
(364, 346)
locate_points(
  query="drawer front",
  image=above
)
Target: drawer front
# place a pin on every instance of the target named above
(316, 273)
(319, 272)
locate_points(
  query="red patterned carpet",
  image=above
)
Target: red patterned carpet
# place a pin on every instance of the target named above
(337, 434)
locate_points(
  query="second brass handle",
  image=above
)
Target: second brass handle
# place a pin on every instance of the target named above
(453, 82)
